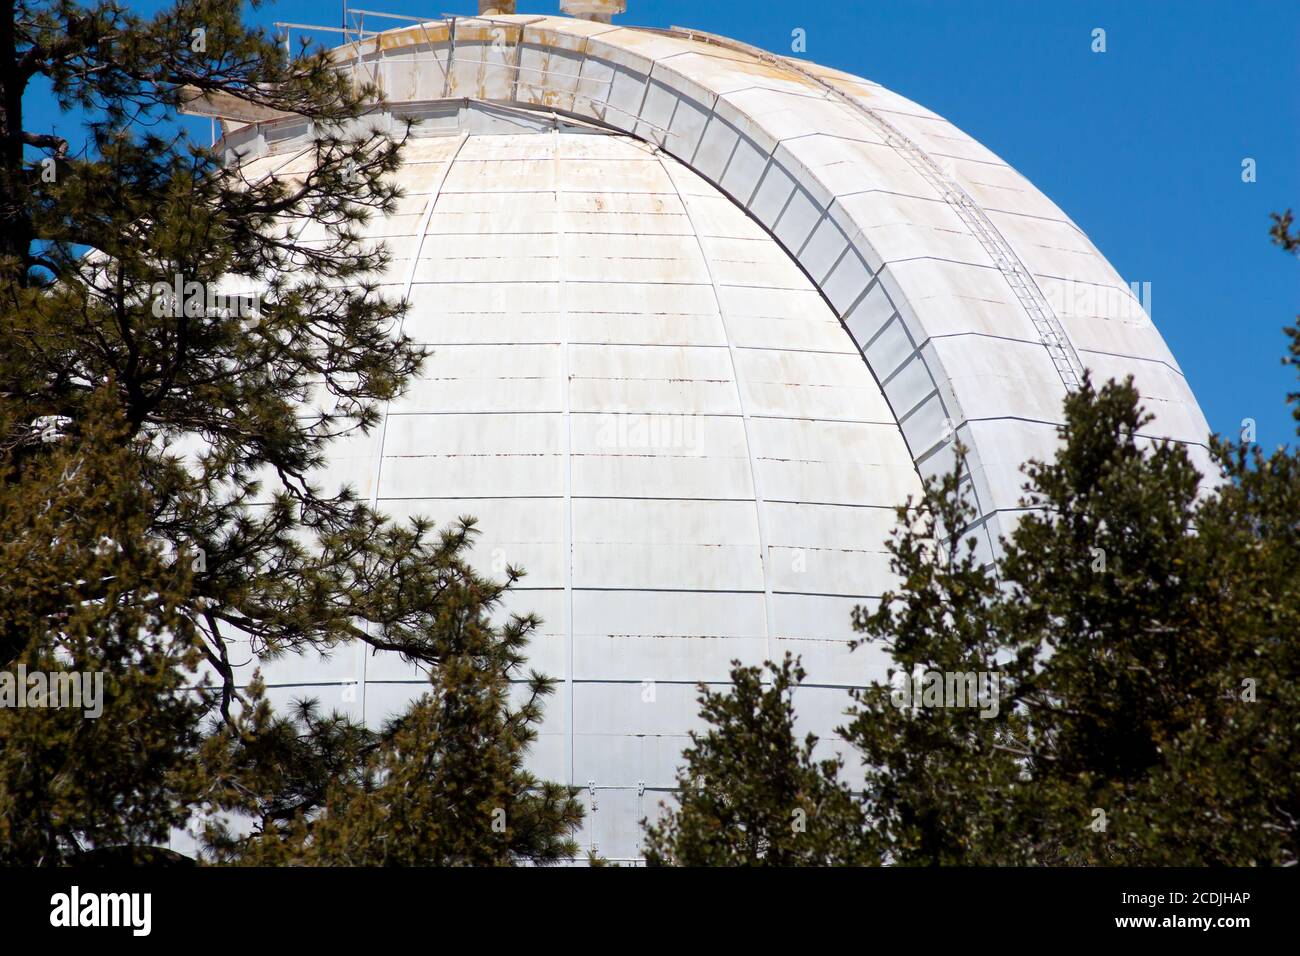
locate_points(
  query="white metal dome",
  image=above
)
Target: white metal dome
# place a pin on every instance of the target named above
(700, 318)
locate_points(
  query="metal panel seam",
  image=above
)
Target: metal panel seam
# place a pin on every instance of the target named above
(566, 432)
(764, 554)
(383, 425)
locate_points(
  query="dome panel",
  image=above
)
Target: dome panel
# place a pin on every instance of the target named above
(666, 426)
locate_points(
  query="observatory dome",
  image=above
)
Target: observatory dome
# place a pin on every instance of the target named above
(700, 318)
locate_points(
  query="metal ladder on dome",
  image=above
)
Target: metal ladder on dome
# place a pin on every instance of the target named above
(1050, 331)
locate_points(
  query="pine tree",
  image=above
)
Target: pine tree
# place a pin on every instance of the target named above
(1141, 626)
(95, 596)
(186, 410)
(750, 793)
(444, 783)
(940, 781)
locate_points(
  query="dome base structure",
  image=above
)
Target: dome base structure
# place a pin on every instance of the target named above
(699, 318)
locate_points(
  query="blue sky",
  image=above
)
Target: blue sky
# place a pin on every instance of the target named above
(1141, 145)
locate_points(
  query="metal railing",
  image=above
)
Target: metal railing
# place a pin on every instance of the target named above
(358, 32)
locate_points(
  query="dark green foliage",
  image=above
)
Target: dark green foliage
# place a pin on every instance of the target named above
(751, 793)
(939, 780)
(443, 784)
(1147, 688)
(85, 589)
(181, 418)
